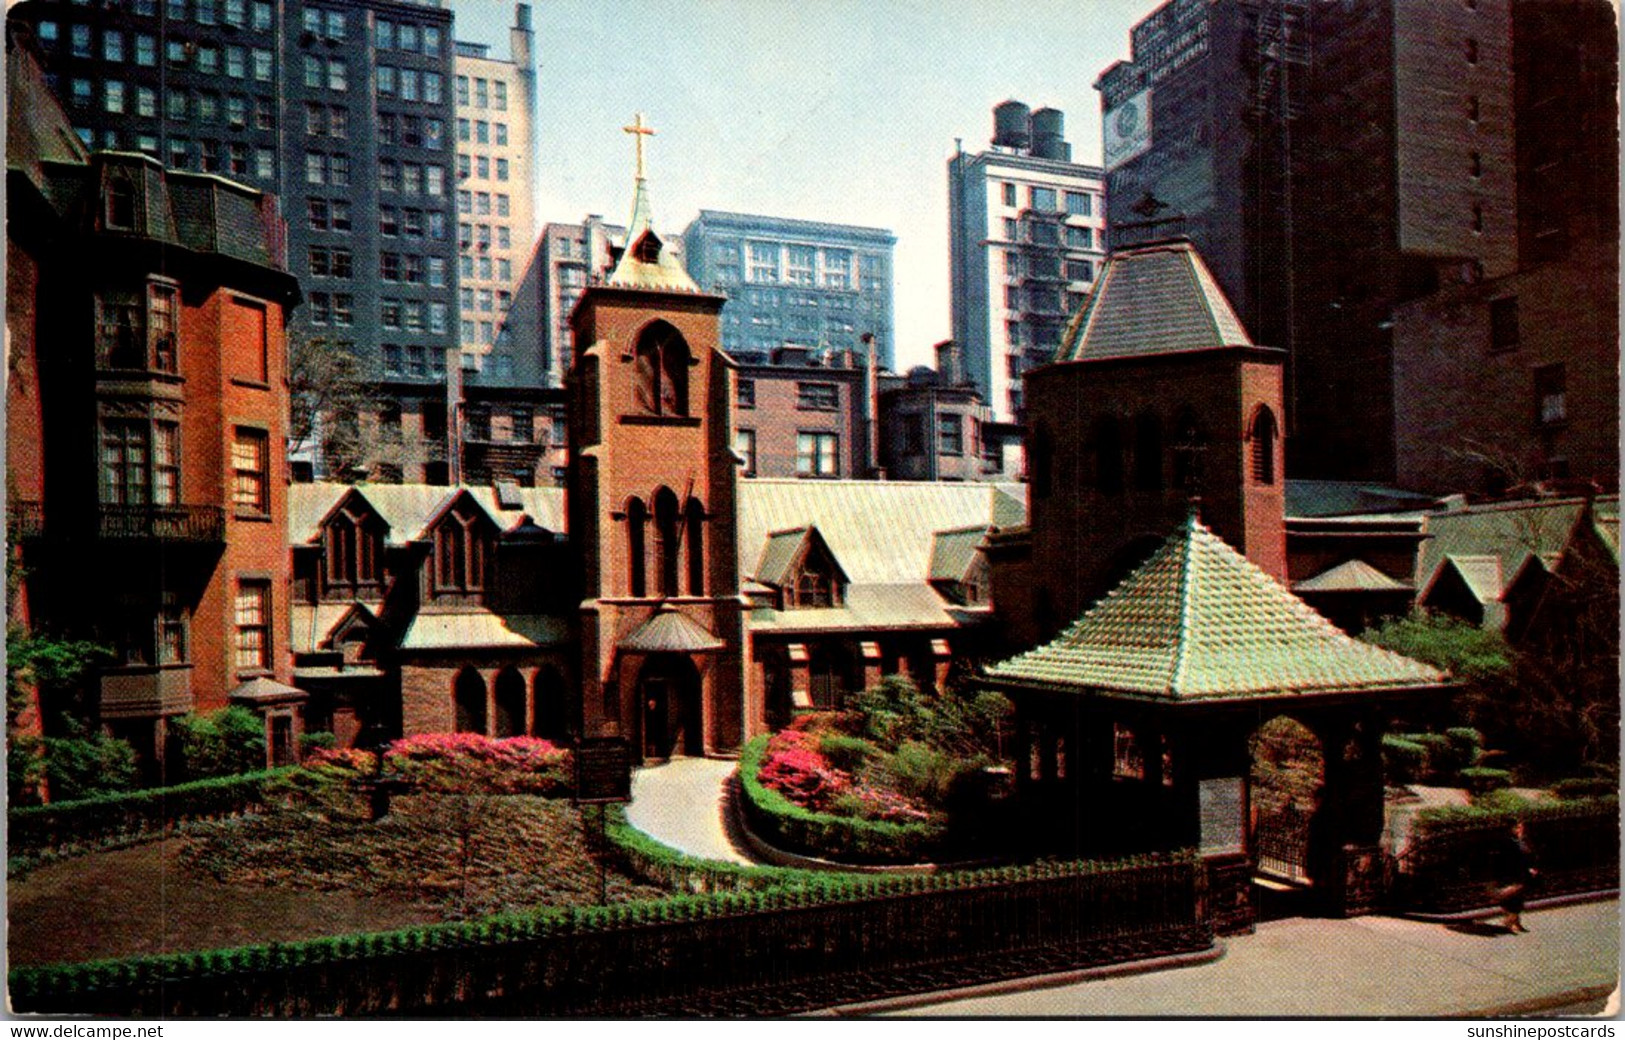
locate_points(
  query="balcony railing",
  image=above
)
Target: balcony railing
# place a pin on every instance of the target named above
(162, 523)
(24, 520)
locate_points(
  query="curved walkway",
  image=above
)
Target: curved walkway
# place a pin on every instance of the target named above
(683, 804)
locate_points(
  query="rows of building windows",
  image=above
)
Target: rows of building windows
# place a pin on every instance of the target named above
(487, 268)
(323, 168)
(407, 178)
(228, 157)
(412, 269)
(479, 131)
(482, 236)
(330, 308)
(520, 427)
(1048, 200)
(414, 361)
(409, 222)
(481, 203)
(410, 84)
(487, 300)
(798, 264)
(259, 15)
(411, 131)
(141, 465)
(236, 111)
(412, 315)
(405, 36)
(328, 214)
(483, 167)
(236, 62)
(484, 93)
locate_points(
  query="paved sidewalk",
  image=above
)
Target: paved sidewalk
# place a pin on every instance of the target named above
(680, 804)
(1368, 966)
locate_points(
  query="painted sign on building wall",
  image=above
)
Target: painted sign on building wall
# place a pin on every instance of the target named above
(1127, 130)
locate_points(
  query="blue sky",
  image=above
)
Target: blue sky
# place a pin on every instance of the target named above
(838, 110)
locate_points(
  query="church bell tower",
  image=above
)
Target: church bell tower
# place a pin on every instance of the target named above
(651, 500)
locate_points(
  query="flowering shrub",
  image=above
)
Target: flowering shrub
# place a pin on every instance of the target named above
(350, 760)
(457, 761)
(794, 767)
(877, 803)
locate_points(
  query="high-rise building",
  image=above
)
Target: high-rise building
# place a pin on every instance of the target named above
(344, 110)
(1330, 161)
(496, 127)
(798, 283)
(1026, 229)
(1514, 380)
(564, 259)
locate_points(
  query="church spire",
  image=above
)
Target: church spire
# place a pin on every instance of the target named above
(645, 262)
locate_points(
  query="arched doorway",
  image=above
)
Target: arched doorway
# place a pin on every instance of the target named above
(1285, 786)
(469, 694)
(510, 703)
(550, 718)
(669, 690)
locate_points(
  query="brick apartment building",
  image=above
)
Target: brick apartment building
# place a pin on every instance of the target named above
(146, 411)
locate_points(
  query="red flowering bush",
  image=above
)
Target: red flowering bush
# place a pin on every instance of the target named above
(458, 761)
(347, 760)
(794, 767)
(878, 803)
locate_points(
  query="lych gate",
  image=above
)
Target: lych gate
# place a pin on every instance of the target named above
(1147, 725)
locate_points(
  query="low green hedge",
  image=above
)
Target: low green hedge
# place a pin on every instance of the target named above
(842, 838)
(1484, 778)
(1456, 854)
(69, 986)
(1404, 761)
(1585, 787)
(664, 865)
(88, 820)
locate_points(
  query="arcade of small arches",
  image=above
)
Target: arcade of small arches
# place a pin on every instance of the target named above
(1149, 454)
(513, 701)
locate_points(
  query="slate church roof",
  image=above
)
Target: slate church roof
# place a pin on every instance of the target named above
(1199, 621)
(1153, 299)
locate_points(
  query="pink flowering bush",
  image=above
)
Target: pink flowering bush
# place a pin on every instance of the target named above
(878, 803)
(459, 761)
(794, 767)
(342, 760)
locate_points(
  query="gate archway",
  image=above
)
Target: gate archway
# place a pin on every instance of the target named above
(469, 693)
(1286, 783)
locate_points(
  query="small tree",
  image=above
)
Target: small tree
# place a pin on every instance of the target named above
(331, 404)
(221, 743)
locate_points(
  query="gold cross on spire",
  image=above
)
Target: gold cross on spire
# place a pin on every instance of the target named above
(639, 132)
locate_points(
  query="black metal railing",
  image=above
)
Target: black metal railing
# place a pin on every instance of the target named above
(24, 520)
(162, 523)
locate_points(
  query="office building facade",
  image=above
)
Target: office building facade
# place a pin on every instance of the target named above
(799, 283)
(496, 143)
(1330, 161)
(1026, 230)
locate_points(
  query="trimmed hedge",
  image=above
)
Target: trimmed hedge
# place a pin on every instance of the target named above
(1404, 761)
(788, 825)
(663, 865)
(36, 828)
(555, 952)
(1585, 787)
(1456, 855)
(1484, 778)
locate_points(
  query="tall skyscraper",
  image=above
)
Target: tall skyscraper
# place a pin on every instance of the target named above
(344, 110)
(799, 283)
(1329, 161)
(1026, 237)
(496, 140)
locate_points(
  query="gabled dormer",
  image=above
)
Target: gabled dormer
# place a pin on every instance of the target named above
(352, 537)
(959, 570)
(461, 539)
(799, 566)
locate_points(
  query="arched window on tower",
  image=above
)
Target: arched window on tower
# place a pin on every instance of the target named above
(668, 544)
(694, 533)
(1148, 452)
(660, 373)
(1108, 442)
(1262, 437)
(636, 517)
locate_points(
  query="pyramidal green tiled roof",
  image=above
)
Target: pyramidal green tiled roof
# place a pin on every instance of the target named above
(1198, 620)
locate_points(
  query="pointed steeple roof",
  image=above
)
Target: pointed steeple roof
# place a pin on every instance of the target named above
(1158, 298)
(645, 262)
(1198, 621)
